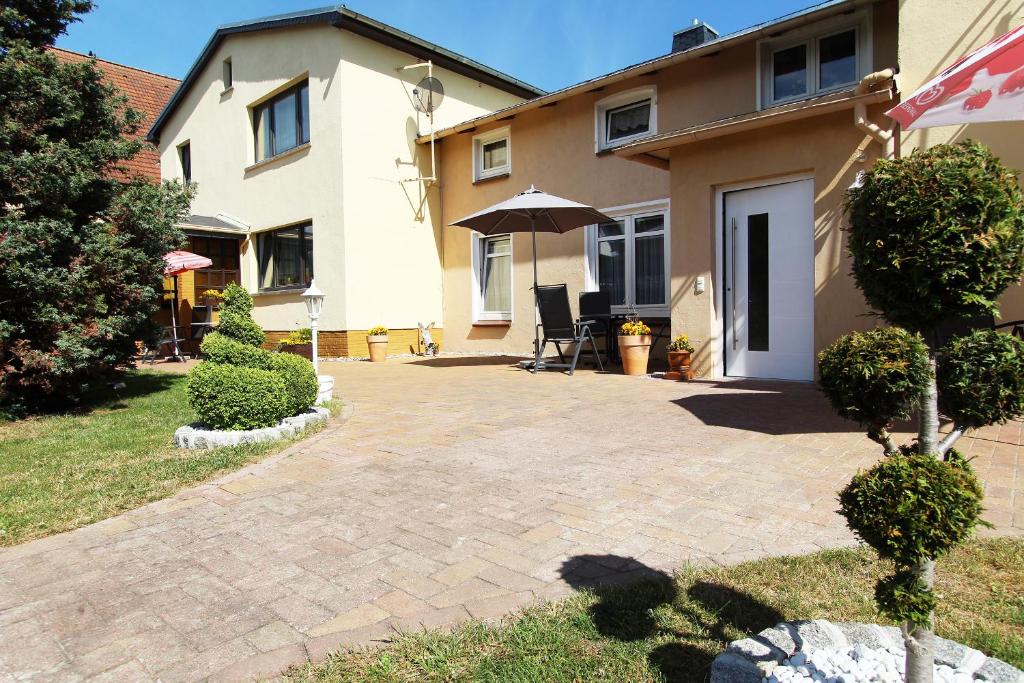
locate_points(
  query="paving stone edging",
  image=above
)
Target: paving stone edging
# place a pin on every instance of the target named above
(752, 659)
(197, 435)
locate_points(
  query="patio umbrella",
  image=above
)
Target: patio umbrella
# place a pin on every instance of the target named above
(177, 262)
(985, 85)
(533, 211)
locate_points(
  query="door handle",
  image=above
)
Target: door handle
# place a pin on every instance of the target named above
(735, 342)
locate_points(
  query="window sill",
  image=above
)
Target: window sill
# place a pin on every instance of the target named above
(298, 289)
(226, 92)
(294, 151)
(492, 323)
(496, 176)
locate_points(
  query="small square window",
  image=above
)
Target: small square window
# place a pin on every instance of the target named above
(492, 154)
(628, 121)
(228, 75)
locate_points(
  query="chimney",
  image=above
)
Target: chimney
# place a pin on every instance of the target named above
(692, 36)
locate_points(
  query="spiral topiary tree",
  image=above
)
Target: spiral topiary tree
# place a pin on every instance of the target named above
(934, 237)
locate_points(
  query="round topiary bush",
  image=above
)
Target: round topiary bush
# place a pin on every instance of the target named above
(299, 380)
(910, 507)
(936, 234)
(236, 317)
(874, 377)
(981, 379)
(220, 349)
(233, 397)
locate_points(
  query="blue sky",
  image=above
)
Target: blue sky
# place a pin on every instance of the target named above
(549, 43)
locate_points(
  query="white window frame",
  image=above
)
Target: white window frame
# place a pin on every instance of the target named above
(477, 243)
(628, 214)
(479, 173)
(810, 37)
(621, 99)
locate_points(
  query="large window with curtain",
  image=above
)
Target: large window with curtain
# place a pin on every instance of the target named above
(492, 266)
(629, 258)
(282, 122)
(285, 257)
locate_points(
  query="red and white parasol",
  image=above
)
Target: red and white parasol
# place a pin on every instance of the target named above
(178, 262)
(181, 261)
(985, 85)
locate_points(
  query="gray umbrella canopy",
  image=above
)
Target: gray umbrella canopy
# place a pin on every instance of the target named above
(533, 211)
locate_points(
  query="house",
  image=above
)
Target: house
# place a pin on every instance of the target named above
(723, 163)
(300, 132)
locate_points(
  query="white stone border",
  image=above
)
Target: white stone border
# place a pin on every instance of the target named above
(752, 660)
(197, 435)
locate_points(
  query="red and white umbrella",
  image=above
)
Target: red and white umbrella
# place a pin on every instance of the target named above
(985, 85)
(181, 261)
(178, 262)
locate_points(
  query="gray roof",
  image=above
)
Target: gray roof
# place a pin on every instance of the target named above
(197, 222)
(341, 17)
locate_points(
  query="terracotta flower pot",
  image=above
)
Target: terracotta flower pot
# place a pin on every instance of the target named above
(679, 366)
(378, 344)
(304, 350)
(634, 350)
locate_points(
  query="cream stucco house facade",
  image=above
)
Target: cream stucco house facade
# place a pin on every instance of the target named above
(300, 131)
(724, 163)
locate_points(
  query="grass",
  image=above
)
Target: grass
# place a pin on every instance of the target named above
(60, 472)
(670, 629)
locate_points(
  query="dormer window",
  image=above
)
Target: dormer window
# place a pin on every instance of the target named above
(830, 57)
(625, 117)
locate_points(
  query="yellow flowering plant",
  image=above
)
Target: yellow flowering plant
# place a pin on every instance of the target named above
(681, 343)
(213, 294)
(379, 331)
(634, 328)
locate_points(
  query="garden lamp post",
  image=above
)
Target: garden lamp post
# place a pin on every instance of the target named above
(314, 304)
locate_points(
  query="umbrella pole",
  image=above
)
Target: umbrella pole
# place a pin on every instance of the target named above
(536, 303)
(174, 323)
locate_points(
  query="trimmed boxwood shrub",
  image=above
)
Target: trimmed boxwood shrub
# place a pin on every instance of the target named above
(875, 377)
(222, 350)
(299, 379)
(936, 234)
(236, 317)
(233, 397)
(981, 378)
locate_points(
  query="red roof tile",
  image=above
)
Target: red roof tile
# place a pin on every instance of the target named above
(147, 93)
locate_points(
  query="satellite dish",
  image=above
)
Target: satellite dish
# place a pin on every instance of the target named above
(428, 95)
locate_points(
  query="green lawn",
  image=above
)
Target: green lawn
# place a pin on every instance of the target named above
(670, 630)
(62, 472)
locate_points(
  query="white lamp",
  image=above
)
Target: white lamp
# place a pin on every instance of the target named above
(314, 304)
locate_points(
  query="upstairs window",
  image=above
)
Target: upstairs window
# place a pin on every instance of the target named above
(282, 122)
(285, 257)
(185, 156)
(492, 154)
(625, 117)
(833, 57)
(227, 75)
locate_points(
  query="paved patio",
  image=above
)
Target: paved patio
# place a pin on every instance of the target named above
(455, 488)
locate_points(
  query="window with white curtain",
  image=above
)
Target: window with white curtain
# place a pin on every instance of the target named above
(629, 258)
(492, 281)
(625, 117)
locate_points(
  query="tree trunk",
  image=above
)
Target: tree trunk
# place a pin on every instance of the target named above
(920, 641)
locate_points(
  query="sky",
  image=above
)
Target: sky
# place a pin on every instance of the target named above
(547, 43)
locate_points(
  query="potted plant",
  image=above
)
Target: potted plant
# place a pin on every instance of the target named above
(377, 340)
(679, 350)
(634, 347)
(299, 342)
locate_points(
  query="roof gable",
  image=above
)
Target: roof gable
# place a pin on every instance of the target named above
(343, 18)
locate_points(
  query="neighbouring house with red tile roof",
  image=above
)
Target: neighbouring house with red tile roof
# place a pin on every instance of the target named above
(147, 93)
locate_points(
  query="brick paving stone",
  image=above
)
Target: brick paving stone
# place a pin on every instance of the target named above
(424, 509)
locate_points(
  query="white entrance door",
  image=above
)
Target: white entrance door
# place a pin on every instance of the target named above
(769, 281)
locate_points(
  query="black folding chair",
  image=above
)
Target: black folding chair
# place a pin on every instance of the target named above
(596, 312)
(559, 328)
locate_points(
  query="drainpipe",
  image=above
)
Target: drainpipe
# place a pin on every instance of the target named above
(886, 138)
